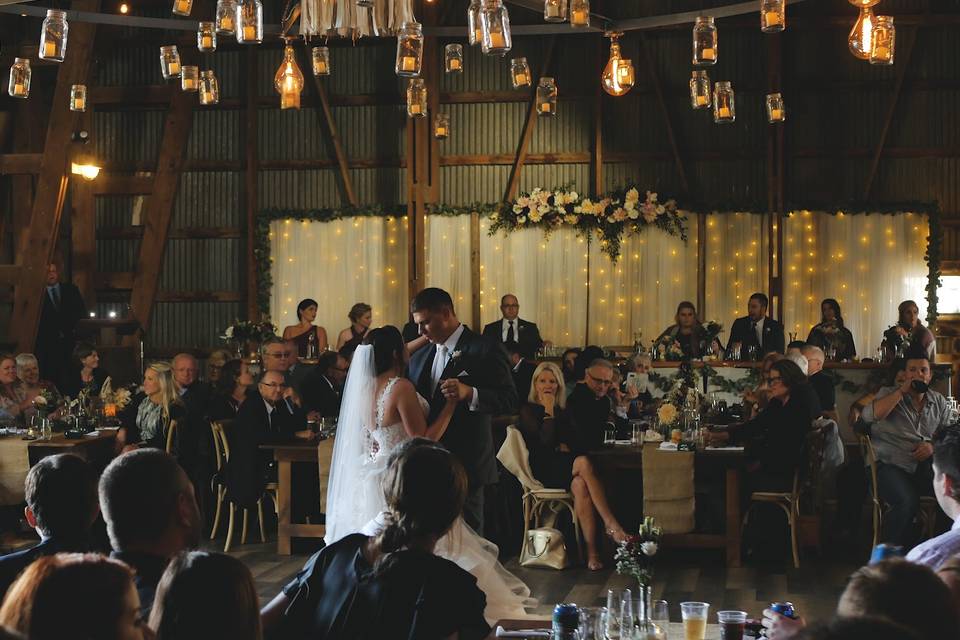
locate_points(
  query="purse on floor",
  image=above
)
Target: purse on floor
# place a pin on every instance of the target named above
(544, 547)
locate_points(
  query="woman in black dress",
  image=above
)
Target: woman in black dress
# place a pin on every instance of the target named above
(305, 332)
(361, 317)
(830, 334)
(146, 420)
(556, 461)
(690, 334)
(86, 374)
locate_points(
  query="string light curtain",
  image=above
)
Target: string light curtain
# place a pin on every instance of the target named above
(339, 263)
(736, 266)
(448, 261)
(868, 263)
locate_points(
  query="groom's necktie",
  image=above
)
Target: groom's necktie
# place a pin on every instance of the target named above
(510, 336)
(439, 364)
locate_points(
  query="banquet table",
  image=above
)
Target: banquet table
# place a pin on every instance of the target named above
(674, 631)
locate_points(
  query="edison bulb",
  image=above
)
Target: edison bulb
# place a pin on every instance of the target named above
(289, 80)
(618, 76)
(863, 3)
(860, 39)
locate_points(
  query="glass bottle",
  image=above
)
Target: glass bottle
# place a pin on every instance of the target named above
(884, 41)
(170, 62)
(20, 74)
(190, 78)
(441, 126)
(704, 41)
(773, 16)
(416, 98)
(320, 58)
(226, 17)
(453, 58)
(646, 628)
(209, 88)
(249, 21)
(520, 73)
(288, 81)
(555, 10)
(547, 97)
(474, 32)
(579, 13)
(78, 97)
(724, 110)
(206, 37)
(312, 345)
(409, 50)
(53, 36)
(700, 95)
(775, 109)
(495, 28)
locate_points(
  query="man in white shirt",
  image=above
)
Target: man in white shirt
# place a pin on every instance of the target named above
(511, 328)
(946, 486)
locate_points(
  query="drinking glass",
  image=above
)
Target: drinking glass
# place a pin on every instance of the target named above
(328, 426)
(636, 428)
(609, 434)
(626, 615)
(591, 623)
(752, 352)
(732, 624)
(611, 619)
(660, 614)
(694, 619)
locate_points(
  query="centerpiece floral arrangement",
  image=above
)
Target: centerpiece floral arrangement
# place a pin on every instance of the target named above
(667, 347)
(120, 397)
(45, 402)
(635, 555)
(247, 331)
(624, 211)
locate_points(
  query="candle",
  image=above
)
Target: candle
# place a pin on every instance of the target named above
(188, 84)
(496, 40)
(708, 54)
(776, 114)
(319, 67)
(173, 68)
(226, 23)
(110, 410)
(545, 107)
(441, 132)
(408, 63)
(249, 33)
(702, 100)
(723, 112)
(79, 104)
(206, 97)
(772, 18)
(454, 63)
(478, 35)
(415, 109)
(19, 89)
(553, 10)
(579, 17)
(183, 6)
(881, 53)
(49, 49)
(521, 79)
(206, 42)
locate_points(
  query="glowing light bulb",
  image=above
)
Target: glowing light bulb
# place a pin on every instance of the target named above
(860, 39)
(124, 8)
(618, 75)
(289, 80)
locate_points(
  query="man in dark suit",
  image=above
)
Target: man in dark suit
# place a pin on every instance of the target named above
(195, 452)
(321, 390)
(756, 330)
(60, 312)
(61, 496)
(461, 365)
(522, 370)
(511, 328)
(589, 406)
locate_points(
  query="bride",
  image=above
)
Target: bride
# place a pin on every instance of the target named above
(381, 409)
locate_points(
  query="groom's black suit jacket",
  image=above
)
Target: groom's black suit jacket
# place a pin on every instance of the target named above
(482, 364)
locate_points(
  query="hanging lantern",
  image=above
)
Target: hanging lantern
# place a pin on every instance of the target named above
(776, 112)
(618, 76)
(773, 15)
(170, 62)
(495, 25)
(453, 58)
(226, 17)
(288, 80)
(190, 78)
(520, 75)
(555, 10)
(704, 41)
(409, 50)
(53, 36)
(700, 90)
(416, 98)
(249, 22)
(860, 39)
(474, 32)
(209, 88)
(320, 57)
(83, 164)
(20, 73)
(182, 7)
(884, 41)
(78, 97)
(206, 37)
(441, 126)
(724, 111)
(547, 97)
(579, 13)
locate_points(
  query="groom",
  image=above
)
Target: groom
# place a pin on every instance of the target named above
(461, 365)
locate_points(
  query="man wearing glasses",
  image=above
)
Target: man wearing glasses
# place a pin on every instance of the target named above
(511, 328)
(590, 407)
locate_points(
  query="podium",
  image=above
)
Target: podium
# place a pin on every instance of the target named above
(124, 363)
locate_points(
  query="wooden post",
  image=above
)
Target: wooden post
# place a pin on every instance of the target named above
(83, 227)
(774, 186)
(475, 270)
(251, 171)
(596, 157)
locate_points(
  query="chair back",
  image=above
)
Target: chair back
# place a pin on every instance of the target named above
(171, 431)
(513, 455)
(807, 477)
(870, 455)
(221, 446)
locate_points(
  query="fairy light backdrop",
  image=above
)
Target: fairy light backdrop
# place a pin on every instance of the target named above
(447, 259)
(736, 265)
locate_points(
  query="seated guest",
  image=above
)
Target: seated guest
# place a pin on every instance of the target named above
(821, 381)
(13, 393)
(230, 390)
(203, 596)
(361, 317)
(276, 355)
(638, 384)
(798, 359)
(586, 356)
(857, 629)
(74, 596)
(61, 495)
(896, 376)
(795, 348)
(756, 332)
(195, 445)
(146, 420)
(322, 388)
(511, 328)
(690, 334)
(902, 422)
(589, 408)
(756, 399)
(621, 396)
(215, 363)
(296, 371)
(390, 586)
(522, 369)
(946, 488)
(86, 374)
(909, 333)
(151, 513)
(830, 333)
(569, 364)
(28, 371)
(546, 431)
(305, 332)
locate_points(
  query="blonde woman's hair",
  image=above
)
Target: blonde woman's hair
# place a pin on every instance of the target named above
(168, 389)
(553, 368)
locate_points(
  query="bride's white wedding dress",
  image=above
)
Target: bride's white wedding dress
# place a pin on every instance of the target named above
(361, 507)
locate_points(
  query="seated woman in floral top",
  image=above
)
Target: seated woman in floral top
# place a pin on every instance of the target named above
(147, 418)
(28, 370)
(13, 394)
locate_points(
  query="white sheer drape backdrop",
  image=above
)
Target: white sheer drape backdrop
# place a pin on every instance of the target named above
(736, 266)
(448, 261)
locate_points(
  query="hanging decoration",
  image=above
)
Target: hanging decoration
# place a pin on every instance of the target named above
(409, 50)
(618, 76)
(20, 74)
(776, 112)
(78, 98)
(724, 108)
(249, 20)
(209, 88)
(495, 28)
(53, 36)
(474, 32)
(884, 40)
(547, 97)
(288, 81)
(320, 58)
(860, 40)
(206, 37)
(704, 41)
(190, 78)
(773, 16)
(170, 62)
(441, 126)
(226, 19)
(555, 10)
(580, 13)
(520, 73)
(182, 7)
(700, 95)
(453, 58)
(416, 98)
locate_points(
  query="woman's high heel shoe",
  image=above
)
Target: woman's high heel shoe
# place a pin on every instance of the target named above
(617, 534)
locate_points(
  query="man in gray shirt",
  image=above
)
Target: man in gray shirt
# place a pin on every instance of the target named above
(903, 420)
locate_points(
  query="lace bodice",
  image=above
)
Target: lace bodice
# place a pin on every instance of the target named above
(389, 436)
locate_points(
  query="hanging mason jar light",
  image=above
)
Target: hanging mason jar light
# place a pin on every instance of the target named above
(704, 41)
(441, 126)
(249, 21)
(226, 17)
(495, 25)
(170, 62)
(724, 111)
(206, 37)
(520, 75)
(453, 58)
(555, 10)
(20, 73)
(773, 15)
(547, 97)
(288, 81)
(579, 13)
(776, 112)
(474, 32)
(884, 41)
(700, 90)
(860, 40)
(190, 78)
(416, 98)
(78, 97)
(209, 88)
(409, 50)
(618, 77)
(182, 7)
(53, 36)
(320, 57)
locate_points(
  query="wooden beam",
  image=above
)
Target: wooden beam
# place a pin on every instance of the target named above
(514, 182)
(9, 274)
(20, 163)
(596, 156)
(475, 275)
(40, 241)
(118, 185)
(158, 210)
(251, 170)
(667, 121)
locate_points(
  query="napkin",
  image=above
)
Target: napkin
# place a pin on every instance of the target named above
(668, 446)
(523, 633)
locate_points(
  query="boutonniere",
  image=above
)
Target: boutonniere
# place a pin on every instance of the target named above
(456, 355)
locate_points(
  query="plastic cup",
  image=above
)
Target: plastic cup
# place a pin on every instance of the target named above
(732, 624)
(694, 619)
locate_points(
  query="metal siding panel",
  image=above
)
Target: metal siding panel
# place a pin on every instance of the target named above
(191, 325)
(128, 137)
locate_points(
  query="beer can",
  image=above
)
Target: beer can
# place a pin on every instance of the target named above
(883, 552)
(566, 617)
(784, 608)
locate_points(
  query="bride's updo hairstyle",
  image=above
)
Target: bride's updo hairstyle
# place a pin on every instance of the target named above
(388, 347)
(425, 488)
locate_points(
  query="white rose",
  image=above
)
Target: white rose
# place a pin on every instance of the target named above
(40, 400)
(229, 332)
(573, 196)
(634, 214)
(649, 548)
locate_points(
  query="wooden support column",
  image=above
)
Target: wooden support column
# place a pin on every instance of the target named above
(83, 228)
(250, 176)
(667, 121)
(596, 155)
(475, 273)
(28, 137)
(41, 239)
(774, 186)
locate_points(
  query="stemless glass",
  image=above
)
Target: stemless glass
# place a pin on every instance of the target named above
(660, 614)
(592, 621)
(626, 615)
(611, 619)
